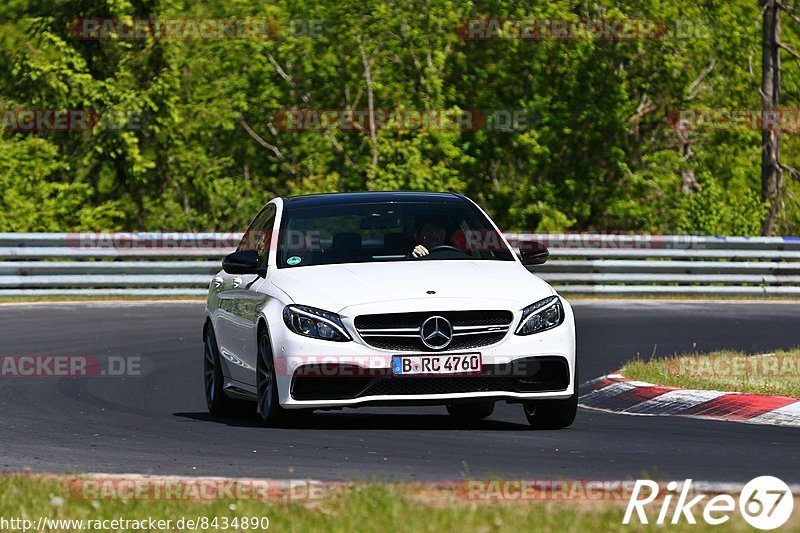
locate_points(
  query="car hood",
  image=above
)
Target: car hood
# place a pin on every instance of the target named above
(335, 287)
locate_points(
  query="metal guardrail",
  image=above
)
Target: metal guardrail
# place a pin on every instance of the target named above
(169, 264)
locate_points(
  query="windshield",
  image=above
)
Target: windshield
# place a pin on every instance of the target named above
(390, 231)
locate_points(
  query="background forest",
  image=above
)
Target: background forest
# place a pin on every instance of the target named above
(599, 151)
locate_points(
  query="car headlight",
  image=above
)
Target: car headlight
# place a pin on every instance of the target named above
(541, 316)
(315, 323)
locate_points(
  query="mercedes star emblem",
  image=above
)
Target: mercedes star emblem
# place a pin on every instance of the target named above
(436, 332)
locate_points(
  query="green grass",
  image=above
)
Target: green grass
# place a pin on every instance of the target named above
(777, 374)
(368, 507)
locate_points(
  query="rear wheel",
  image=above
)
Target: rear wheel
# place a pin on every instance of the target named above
(471, 411)
(553, 414)
(219, 404)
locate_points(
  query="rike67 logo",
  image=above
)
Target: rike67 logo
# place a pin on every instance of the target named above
(765, 503)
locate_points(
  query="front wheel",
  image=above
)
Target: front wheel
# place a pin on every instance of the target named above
(553, 414)
(268, 407)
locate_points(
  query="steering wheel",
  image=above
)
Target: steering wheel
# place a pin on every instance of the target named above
(445, 247)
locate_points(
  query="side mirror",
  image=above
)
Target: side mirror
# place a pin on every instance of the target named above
(534, 253)
(243, 262)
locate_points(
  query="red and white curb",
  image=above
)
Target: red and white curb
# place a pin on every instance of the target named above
(617, 394)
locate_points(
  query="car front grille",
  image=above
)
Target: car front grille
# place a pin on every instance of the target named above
(530, 374)
(400, 331)
(412, 386)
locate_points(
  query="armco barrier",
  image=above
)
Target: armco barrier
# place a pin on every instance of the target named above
(174, 264)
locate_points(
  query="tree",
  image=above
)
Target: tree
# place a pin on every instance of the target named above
(771, 171)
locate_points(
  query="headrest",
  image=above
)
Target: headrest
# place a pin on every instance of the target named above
(346, 241)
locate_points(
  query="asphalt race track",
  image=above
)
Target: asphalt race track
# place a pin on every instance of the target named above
(157, 423)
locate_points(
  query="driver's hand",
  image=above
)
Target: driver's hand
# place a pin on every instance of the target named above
(419, 251)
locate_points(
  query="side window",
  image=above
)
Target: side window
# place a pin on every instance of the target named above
(259, 234)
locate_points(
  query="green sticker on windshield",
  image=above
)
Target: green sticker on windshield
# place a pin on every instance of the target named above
(294, 260)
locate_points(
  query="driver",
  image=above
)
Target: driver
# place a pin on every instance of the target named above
(427, 237)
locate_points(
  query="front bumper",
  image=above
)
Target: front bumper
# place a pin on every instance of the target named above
(314, 373)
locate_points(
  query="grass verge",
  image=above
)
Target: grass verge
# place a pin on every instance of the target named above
(776, 373)
(370, 507)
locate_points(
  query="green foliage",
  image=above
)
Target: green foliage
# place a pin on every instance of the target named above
(34, 201)
(719, 211)
(595, 153)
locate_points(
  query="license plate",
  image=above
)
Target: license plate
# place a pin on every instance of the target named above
(406, 365)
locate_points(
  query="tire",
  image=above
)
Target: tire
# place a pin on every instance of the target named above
(268, 406)
(553, 414)
(219, 404)
(471, 411)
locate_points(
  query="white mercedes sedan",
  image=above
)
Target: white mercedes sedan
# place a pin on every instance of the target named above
(386, 298)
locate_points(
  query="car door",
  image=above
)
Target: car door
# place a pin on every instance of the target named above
(240, 302)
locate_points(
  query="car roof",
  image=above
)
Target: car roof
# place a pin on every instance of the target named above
(349, 198)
